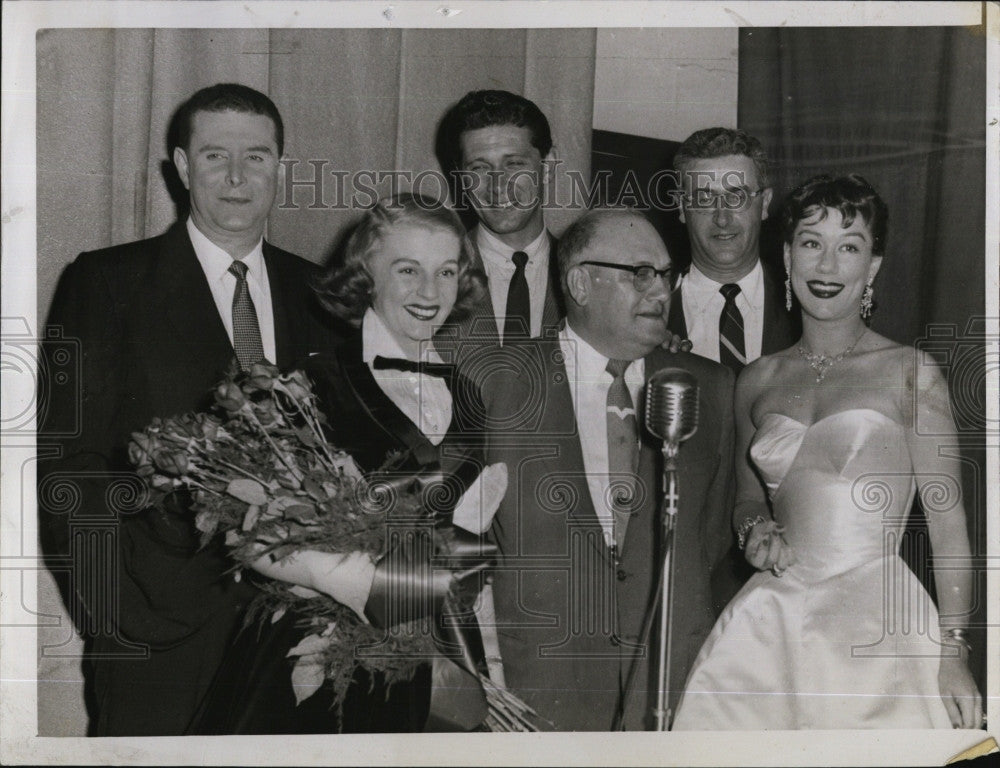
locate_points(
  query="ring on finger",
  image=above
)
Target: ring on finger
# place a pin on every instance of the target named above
(779, 572)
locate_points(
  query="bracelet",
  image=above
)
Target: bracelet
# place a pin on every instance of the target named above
(957, 635)
(745, 527)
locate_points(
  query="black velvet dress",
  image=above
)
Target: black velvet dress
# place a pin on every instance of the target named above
(252, 693)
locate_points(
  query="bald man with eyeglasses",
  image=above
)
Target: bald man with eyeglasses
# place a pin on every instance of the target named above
(579, 529)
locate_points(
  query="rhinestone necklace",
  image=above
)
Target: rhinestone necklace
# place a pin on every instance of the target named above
(821, 363)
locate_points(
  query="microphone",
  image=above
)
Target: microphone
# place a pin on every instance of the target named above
(672, 406)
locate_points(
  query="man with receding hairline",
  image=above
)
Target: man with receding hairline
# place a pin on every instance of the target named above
(579, 530)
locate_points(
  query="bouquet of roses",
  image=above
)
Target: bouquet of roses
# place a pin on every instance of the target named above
(261, 473)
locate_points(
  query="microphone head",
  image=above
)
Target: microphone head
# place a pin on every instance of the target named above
(672, 405)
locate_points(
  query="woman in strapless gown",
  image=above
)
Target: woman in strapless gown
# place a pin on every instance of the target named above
(841, 430)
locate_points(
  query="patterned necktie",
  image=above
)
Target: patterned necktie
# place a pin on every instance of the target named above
(246, 330)
(732, 347)
(518, 321)
(623, 448)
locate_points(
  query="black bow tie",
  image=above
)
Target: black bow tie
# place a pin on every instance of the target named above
(442, 370)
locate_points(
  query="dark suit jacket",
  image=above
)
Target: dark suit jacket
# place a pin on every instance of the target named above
(781, 327)
(568, 618)
(157, 612)
(480, 327)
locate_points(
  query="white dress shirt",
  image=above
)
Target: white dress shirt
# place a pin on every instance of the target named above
(500, 269)
(589, 383)
(703, 304)
(425, 400)
(215, 263)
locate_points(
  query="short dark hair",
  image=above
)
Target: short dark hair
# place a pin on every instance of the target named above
(345, 287)
(852, 195)
(223, 97)
(719, 142)
(485, 109)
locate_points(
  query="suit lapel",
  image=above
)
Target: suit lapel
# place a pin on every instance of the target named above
(779, 325)
(373, 402)
(184, 297)
(553, 310)
(675, 318)
(288, 313)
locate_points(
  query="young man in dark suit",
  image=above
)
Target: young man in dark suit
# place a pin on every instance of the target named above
(580, 562)
(158, 323)
(497, 146)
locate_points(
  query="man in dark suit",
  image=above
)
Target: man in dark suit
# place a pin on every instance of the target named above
(158, 323)
(730, 305)
(579, 529)
(497, 146)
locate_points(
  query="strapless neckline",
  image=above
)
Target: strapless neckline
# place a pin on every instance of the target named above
(828, 417)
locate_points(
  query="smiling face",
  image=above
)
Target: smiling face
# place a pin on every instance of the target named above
(414, 269)
(230, 167)
(724, 239)
(606, 309)
(830, 264)
(507, 173)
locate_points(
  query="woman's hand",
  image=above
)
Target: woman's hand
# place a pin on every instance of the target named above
(958, 691)
(766, 548)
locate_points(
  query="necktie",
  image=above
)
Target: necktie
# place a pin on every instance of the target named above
(623, 448)
(246, 331)
(518, 321)
(442, 370)
(732, 347)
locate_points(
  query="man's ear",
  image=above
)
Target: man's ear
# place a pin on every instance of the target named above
(181, 163)
(578, 285)
(766, 203)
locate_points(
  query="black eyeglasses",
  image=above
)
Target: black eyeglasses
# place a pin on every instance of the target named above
(642, 274)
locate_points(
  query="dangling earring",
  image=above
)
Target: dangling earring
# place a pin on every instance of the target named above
(866, 302)
(788, 293)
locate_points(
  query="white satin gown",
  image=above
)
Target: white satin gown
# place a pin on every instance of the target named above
(847, 637)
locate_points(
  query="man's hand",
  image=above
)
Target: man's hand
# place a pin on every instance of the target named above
(674, 343)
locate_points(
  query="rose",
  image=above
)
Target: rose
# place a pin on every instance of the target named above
(140, 452)
(296, 385)
(171, 462)
(229, 396)
(262, 375)
(266, 412)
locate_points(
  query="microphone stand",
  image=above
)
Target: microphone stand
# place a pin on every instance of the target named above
(670, 498)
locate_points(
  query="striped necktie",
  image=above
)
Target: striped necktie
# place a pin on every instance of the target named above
(732, 346)
(246, 330)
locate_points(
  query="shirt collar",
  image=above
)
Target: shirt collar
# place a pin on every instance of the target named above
(586, 364)
(496, 250)
(697, 283)
(215, 261)
(377, 341)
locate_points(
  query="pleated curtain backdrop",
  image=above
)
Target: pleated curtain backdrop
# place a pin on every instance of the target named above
(905, 108)
(352, 100)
